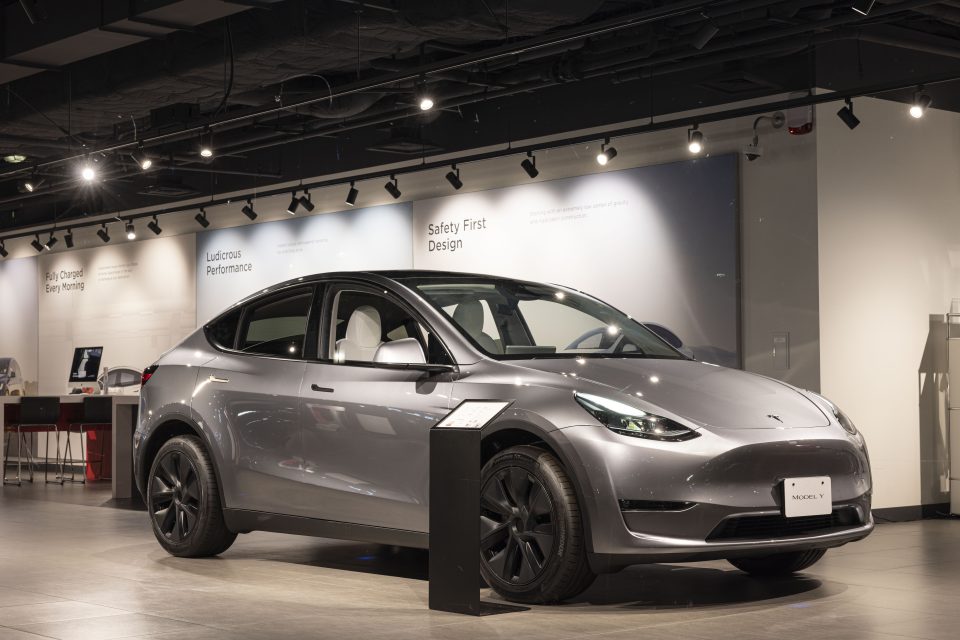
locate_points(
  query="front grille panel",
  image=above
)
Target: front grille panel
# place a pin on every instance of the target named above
(779, 526)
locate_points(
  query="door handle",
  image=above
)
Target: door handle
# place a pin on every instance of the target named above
(316, 387)
(216, 379)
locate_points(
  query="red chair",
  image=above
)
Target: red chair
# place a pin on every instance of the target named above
(97, 417)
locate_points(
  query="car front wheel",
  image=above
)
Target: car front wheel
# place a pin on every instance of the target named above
(532, 545)
(778, 564)
(184, 501)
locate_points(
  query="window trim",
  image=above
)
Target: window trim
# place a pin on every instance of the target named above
(312, 288)
(333, 289)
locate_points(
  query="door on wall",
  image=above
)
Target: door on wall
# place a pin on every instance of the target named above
(366, 426)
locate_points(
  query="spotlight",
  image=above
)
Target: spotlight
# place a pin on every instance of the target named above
(143, 160)
(607, 153)
(248, 210)
(694, 140)
(921, 102)
(29, 185)
(294, 204)
(131, 230)
(3, 250)
(68, 239)
(88, 173)
(352, 194)
(705, 34)
(36, 244)
(52, 240)
(206, 145)
(155, 226)
(424, 99)
(453, 177)
(846, 114)
(863, 7)
(104, 234)
(201, 218)
(306, 201)
(393, 187)
(529, 165)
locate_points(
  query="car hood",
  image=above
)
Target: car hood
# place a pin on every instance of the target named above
(705, 394)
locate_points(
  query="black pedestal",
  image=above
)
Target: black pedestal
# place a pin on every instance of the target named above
(455, 524)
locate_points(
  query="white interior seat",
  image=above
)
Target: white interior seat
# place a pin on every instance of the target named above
(469, 316)
(362, 340)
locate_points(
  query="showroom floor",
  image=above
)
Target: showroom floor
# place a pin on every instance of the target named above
(71, 569)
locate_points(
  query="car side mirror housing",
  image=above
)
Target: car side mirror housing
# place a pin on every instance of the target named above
(669, 337)
(403, 351)
(406, 353)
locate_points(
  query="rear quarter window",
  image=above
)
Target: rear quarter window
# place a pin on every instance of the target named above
(222, 332)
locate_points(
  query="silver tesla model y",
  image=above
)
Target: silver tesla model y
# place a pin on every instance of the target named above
(306, 409)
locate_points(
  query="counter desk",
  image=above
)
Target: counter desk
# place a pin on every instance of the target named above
(122, 426)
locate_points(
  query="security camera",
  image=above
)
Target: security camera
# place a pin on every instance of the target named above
(753, 151)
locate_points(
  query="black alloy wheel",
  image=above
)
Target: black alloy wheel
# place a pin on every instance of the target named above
(532, 544)
(183, 500)
(517, 530)
(175, 496)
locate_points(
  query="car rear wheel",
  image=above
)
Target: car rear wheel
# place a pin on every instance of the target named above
(184, 501)
(532, 545)
(778, 564)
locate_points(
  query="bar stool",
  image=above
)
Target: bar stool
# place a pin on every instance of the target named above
(37, 414)
(97, 416)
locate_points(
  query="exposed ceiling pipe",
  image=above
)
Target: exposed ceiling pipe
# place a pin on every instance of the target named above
(535, 43)
(625, 63)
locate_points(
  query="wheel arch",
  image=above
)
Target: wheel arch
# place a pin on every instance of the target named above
(161, 434)
(505, 434)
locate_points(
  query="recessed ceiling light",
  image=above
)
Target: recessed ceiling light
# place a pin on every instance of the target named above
(15, 158)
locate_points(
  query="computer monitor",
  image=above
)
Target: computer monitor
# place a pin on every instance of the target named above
(86, 364)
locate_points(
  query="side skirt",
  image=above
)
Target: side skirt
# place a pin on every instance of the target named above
(243, 521)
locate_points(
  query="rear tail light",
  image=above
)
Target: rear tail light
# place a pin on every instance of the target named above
(147, 374)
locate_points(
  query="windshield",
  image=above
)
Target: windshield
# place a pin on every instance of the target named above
(507, 319)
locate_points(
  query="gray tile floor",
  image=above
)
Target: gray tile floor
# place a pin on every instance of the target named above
(73, 570)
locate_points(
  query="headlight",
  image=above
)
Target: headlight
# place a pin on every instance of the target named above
(841, 417)
(844, 421)
(631, 421)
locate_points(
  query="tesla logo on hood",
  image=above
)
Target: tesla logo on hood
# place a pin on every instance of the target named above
(773, 416)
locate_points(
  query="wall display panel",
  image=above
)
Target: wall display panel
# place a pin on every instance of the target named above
(233, 263)
(658, 242)
(18, 326)
(135, 299)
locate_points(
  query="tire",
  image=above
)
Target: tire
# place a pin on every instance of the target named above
(778, 564)
(532, 548)
(184, 502)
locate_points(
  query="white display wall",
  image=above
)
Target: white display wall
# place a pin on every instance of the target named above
(135, 299)
(18, 326)
(657, 242)
(233, 263)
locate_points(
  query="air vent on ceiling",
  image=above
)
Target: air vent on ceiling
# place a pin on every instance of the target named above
(166, 186)
(739, 82)
(406, 142)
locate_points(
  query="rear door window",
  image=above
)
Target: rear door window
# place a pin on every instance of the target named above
(277, 326)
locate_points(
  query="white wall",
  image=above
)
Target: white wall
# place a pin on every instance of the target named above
(18, 316)
(889, 237)
(134, 299)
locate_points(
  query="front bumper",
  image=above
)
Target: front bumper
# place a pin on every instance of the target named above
(650, 501)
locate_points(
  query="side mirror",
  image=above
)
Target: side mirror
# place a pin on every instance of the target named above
(404, 351)
(407, 353)
(669, 337)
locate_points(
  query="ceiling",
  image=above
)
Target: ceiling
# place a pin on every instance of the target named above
(290, 90)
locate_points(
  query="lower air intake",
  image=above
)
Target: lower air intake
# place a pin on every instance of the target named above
(778, 526)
